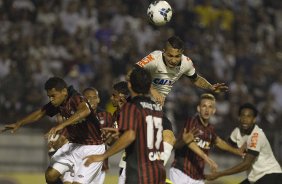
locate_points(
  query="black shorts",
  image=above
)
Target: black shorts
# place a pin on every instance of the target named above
(274, 178)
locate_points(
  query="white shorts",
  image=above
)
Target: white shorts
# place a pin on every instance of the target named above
(122, 177)
(179, 177)
(68, 160)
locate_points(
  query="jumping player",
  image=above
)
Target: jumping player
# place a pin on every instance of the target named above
(167, 66)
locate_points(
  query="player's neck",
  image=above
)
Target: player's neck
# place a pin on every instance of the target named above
(204, 122)
(249, 131)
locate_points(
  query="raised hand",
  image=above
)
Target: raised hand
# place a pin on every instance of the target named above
(189, 136)
(219, 87)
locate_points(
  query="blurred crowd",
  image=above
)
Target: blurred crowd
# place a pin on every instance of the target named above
(95, 42)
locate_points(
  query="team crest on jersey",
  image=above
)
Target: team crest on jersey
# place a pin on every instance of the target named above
(159, 81)
(101, 120)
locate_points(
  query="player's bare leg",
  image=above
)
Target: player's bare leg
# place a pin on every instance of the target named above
(52, 175)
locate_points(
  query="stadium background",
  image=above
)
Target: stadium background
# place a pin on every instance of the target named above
(94, 43)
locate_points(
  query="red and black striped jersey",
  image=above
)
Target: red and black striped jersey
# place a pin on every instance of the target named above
(144, 157)
(115, 118)
(87, 131)
(105, 118)
(185, 159)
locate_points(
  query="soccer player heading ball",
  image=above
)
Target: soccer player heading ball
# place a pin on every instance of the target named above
(168, 65)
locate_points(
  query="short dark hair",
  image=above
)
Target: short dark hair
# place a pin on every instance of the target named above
(176, 42)
(140, 80)
(55, 82)
(122, 88)
(248, 106)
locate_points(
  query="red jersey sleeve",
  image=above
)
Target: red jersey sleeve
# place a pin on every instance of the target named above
(129, 117)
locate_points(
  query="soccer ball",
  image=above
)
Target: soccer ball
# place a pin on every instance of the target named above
(159, 12)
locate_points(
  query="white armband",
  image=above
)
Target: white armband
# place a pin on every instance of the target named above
(167, 151)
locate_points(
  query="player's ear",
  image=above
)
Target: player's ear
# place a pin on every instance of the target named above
(129, 85)
(254, 120)
(98, 100)
(214, 110)
(65, 91)
(198, 108)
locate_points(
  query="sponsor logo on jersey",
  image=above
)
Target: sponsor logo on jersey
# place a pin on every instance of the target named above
(159, 81)
(202, 144)
(254, 140)
(156, 155)
(145, 60)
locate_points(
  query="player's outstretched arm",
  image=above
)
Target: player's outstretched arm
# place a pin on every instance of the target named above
(82, 112)
(201, 82)
(188, 138)
(226, 147)
(35, 116)
(125, 140)
(195, 148)
(243, 166)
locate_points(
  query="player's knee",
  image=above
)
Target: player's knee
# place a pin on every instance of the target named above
(52, 176)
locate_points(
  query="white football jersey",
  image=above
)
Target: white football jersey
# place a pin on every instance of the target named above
(265, 162)
(164, 77)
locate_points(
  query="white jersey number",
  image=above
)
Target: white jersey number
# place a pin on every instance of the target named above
(152, 123)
